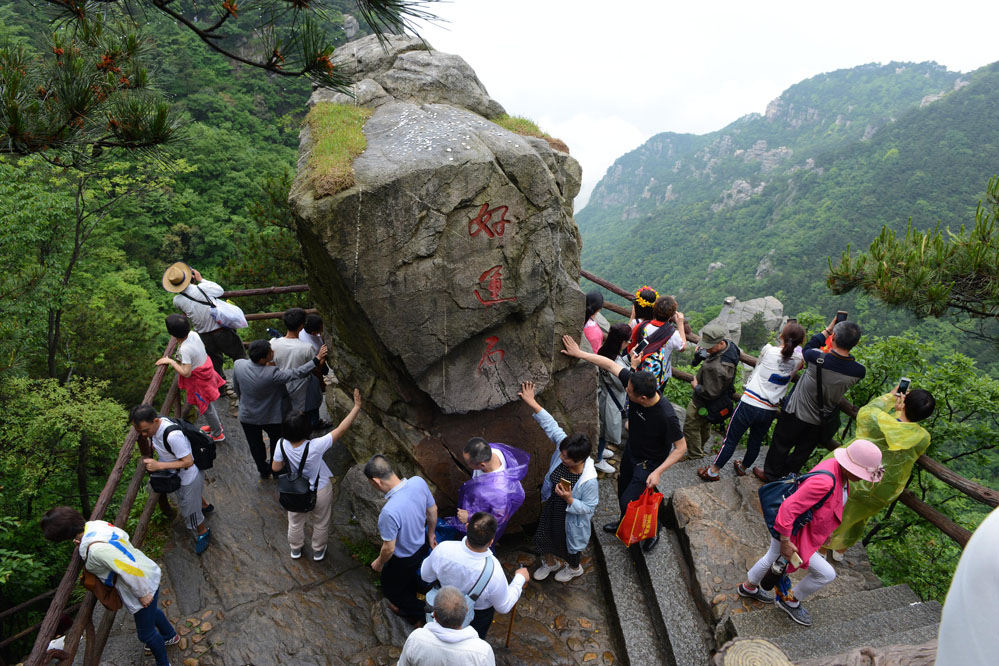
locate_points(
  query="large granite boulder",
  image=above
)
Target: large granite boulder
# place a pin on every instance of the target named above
(448, 273)
(735, 313)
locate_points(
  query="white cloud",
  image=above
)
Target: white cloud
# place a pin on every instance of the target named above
(605, 76)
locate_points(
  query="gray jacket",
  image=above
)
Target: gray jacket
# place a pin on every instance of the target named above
(261, 389)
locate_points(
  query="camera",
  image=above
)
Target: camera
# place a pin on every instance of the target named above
(699, 355)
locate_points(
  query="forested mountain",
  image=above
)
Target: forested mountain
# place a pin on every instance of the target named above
(757, 207)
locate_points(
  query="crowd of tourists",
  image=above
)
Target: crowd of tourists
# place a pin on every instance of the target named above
(440, 572)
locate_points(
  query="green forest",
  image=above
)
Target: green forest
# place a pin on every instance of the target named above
(84, 249)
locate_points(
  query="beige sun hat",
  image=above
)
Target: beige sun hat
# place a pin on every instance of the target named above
(177, 277)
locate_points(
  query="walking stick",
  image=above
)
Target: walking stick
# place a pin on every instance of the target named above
(509, 630)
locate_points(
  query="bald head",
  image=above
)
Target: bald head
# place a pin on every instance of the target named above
(450, 608)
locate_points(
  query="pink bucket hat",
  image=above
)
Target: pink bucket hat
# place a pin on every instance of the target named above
(862, 458)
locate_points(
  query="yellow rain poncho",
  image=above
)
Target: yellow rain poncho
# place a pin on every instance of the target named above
(900, 444)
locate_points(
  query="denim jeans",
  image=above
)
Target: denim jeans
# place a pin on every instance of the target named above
(153, 627)
(757, 420)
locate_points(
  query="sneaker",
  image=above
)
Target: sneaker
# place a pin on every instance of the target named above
(545, 570)
(319, 555)
(608, 454)
(207, 509)
(567, 574)
(796, 613)
(297, 553)
(605, 467)
(202, 541)
(757, 594)
(837, 556)
(215, 438)
(172, 641)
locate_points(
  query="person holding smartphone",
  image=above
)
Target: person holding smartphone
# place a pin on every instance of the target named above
(569, 497)
(892, 422)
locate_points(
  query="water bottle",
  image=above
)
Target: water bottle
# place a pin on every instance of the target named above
(776, 572)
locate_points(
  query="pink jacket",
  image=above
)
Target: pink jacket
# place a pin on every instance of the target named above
(824, 521)
(202, 387)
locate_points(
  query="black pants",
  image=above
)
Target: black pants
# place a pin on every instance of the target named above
(631, 480)
(401, 582)
(482, 621)
(792, 442)
(222, 341)
(255, 438)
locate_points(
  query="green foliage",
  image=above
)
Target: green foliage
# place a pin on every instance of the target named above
(932, 273)
(754, 334)
(338, 137)
(527, 127)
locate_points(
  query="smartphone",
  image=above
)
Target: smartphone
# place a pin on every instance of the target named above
(903, 385)
(840, 316)
(796, 560)
(564, 485)
(640, 346)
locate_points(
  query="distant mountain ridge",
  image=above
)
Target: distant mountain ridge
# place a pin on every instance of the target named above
(755, 208)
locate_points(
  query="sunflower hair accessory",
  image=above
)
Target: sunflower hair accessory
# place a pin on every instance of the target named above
(641, 301)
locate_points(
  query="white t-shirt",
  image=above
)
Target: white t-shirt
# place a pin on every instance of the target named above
(771, 378)
(196, 310)
(315, 340)
(313, 464)
(502, 459)
(192, 351)
(181, 448)
(289, 354)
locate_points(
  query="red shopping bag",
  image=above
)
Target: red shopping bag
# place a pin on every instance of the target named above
(641, 520)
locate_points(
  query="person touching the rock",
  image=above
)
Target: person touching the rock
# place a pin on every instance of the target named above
(655, 439)
(108, 554)
(403, 525)
(611, 396)
(569, 496)
(290, 450)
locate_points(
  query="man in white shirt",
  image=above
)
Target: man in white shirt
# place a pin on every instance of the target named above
(291, 352)
(460, 563)
(174, 452)
(443, 642)
(194, 298)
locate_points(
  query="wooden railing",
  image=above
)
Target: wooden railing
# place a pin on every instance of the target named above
(973, 490)
(83, 622)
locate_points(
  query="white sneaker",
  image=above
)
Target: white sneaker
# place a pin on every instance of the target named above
(608, 454)
(296, 553)
(567, 574)
(319, 555)
(837, 556)
(545, 570)
(605, 467)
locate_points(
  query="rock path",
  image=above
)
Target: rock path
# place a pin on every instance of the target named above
(245, 601)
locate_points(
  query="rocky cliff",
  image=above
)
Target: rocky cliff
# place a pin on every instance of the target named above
(448, 272)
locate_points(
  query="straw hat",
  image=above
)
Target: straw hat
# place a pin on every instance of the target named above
(862, 458)
(177, 277)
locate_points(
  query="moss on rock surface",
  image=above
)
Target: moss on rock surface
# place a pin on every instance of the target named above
(527, 127)
(338, 137)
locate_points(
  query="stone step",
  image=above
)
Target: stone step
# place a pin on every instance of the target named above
(870, 629)
(771, 622)
(663, 573)
(641, 630)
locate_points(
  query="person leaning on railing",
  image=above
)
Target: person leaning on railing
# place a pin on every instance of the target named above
(108, 555)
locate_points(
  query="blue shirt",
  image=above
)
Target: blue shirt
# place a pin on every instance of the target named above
(404, 516)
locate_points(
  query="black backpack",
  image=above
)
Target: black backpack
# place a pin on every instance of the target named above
(295, 492)
(202, 445)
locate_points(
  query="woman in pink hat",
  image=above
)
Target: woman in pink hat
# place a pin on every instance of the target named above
(861, 460)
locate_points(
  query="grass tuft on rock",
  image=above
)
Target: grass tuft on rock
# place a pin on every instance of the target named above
(527, 127)
(338, 137)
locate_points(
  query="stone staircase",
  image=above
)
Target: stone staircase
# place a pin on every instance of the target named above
(678, 604)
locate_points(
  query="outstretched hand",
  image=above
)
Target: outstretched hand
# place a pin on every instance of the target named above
(571, 347)
(526, 392)
(357, 398)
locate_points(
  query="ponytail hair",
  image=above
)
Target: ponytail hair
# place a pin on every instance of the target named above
(618, 335)
(793, 335)
(594, 302)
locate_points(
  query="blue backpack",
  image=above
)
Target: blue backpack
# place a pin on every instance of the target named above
(773, 494)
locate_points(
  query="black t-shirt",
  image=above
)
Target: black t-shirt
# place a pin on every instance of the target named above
(651, 430)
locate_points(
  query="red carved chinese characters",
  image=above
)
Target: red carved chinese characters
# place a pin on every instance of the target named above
(493, 281)
(491, 356)
(480, 223)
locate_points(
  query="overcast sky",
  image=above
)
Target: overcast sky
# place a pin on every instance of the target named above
(605, 76)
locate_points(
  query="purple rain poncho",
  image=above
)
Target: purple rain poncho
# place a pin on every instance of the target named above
(499, 493)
